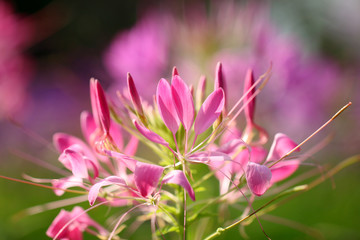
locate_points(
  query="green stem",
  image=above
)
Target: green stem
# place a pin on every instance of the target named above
(293, 191)
(168, 214)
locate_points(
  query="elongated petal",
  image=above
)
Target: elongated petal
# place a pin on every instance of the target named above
(220, 79)
(65, 183)
(166, 106)
(175, 71)
(200, 91)
(258, 178)
(150, 135)
(257, 155)
(88, 125)
(99, 106)
(132, 145)
(129, 162)
(94, 102)
(116, 135)
(179, 178)
(183, 100)
(77, 162)
(146, 177)
(135, 98)
(209, 111)
(207, 157)
(61, 220)
(250, 107)
(283, 170)
(281, 145)
(62, 141)
(94, 190)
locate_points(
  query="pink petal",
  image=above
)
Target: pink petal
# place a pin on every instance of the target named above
(220, 79)
(94, 190)
(65, 183)
(62, 141)
(175, 71)
(150, 135)
(166, 106)
(281, 145)
(209, 111)
(94, 102)
(129, 162)
(132, 145)
(88, 125)
(116, 134)
(146, 177)
(100, 106)
(258, 178)
(183, 100)
(231, 146)
(179, 178)
(207, 157)
(283, 170)
(250, 107)
(135, 98)
(257, 155)
(61, 220)
(73, 159)
(200, 91)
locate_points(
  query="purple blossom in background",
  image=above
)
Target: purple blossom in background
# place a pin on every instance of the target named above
(15, 68)
(143, 51)
(241, 37)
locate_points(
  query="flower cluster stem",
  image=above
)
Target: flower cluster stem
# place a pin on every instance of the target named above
(293, 191)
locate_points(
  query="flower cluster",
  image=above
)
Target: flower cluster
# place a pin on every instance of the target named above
(184, 129)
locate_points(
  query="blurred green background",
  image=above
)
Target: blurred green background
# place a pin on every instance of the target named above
(68, 50)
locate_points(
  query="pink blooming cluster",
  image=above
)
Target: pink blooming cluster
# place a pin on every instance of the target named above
(15, 68)
(184, 128)
(239, 36)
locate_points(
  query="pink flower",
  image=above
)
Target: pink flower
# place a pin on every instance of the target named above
(88, 161)
(146, 179)
(71, 225)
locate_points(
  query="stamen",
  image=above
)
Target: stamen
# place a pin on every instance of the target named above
(313, 134)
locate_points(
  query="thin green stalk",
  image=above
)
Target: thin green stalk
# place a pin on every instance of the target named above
(293, 191)
(168, 214)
